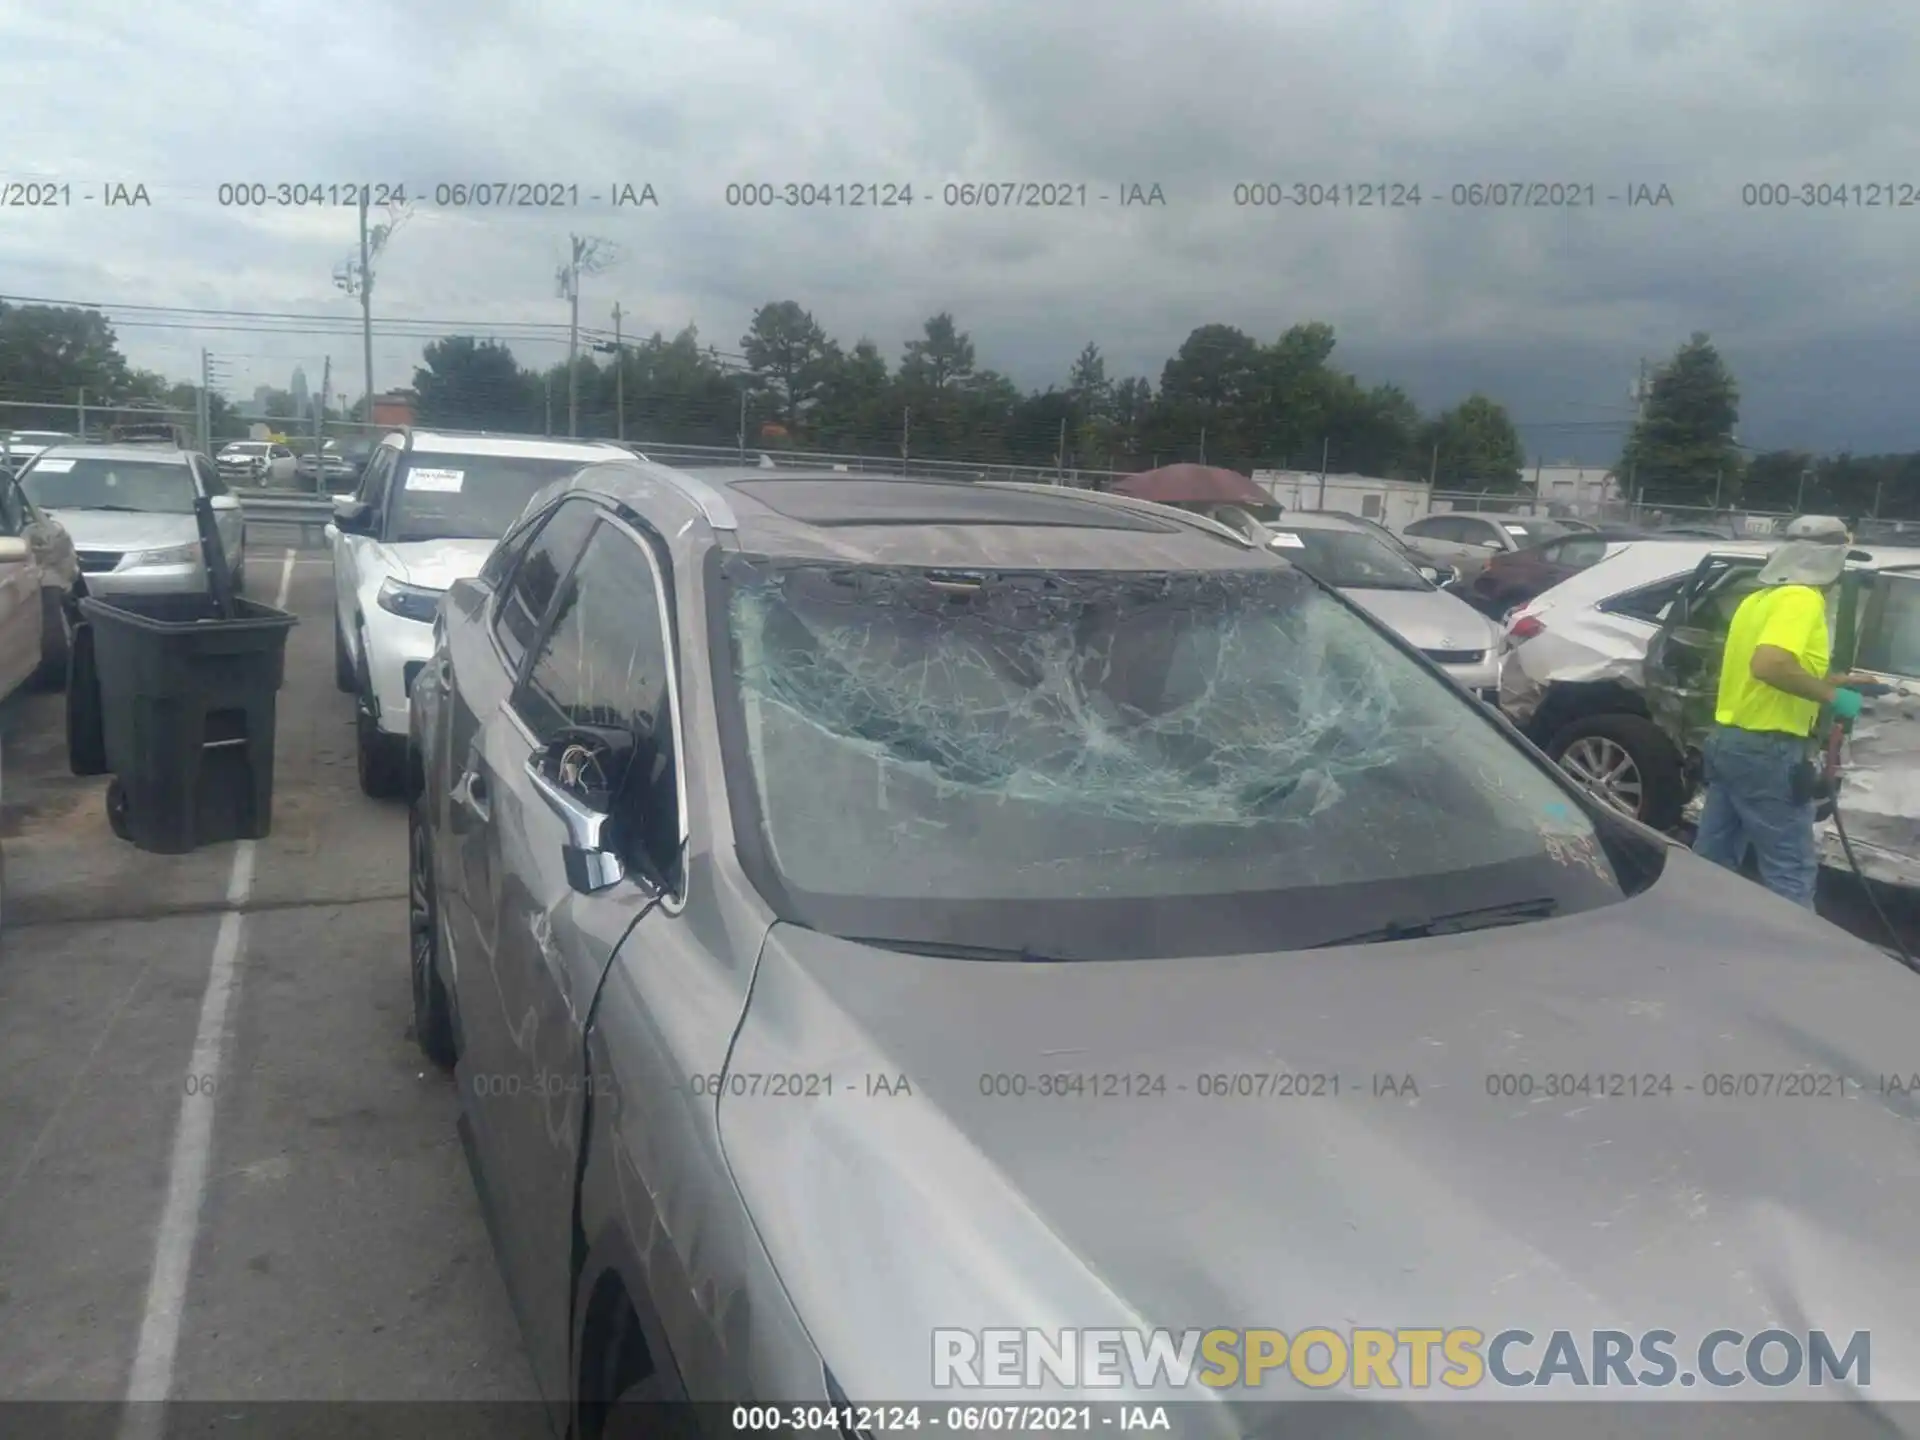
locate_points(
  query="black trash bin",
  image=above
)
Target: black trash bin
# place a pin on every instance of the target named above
(187, 701)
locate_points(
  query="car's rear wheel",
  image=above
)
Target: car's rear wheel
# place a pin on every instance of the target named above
(1628, 762)
(432, 1014)
(381, 758)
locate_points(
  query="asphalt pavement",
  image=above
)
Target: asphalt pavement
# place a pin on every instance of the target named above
(259, 1198)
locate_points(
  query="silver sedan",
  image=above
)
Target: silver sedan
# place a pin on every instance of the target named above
(863, 913)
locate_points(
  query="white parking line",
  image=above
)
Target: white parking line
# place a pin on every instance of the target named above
(153, 1361)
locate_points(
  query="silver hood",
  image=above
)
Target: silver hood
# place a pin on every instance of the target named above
(889, 1214)
(1428, 619)
(112, 530)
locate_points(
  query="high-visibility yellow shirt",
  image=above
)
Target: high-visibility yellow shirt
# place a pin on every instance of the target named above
(1794, 618)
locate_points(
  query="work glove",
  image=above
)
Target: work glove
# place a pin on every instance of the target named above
(1846, 705)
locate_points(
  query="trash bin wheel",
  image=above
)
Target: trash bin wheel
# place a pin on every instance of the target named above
(117, 809)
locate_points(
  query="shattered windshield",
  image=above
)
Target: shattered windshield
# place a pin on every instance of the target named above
(1116, 764)
(1348, 560)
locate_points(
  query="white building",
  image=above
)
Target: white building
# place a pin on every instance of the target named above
(1581, 489)
(1391, 502)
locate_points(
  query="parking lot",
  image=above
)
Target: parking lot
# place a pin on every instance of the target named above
(321, 1241)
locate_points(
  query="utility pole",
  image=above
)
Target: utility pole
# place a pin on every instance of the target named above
(585, 256)
(1325, 442)
(354, 276)
(741, 433)
(1433, 467)
(202, 418)
(1203, 444)
(1800, 498)
(619, 378)
(1060, 454)
(549, 402)
(366, 304)
(906, 436)
(81, 408)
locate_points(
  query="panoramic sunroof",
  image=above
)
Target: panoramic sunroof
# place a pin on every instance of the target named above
(906, 502)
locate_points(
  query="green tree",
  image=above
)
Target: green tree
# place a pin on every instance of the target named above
(1479, 450)
(51, 353)
(946, 398)
(1133, 411)
(469, 384)
(1681, 451)
(854, 410)
(1092, 434)
(789, 356)
(942, 358)
(1212, 394)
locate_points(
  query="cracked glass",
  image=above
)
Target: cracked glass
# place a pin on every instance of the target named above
(943, 736)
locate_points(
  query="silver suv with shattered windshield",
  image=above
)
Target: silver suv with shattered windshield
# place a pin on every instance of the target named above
(769, 832)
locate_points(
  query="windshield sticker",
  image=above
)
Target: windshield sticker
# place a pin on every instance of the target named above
(1519, 530)
(446, 482)
(53, 467)
(1290, 542)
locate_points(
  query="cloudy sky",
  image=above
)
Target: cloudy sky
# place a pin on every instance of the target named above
(1549, 310)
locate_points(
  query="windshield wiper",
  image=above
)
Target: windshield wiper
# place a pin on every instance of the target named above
(110, 509)
(940, 950)
(1452, 922)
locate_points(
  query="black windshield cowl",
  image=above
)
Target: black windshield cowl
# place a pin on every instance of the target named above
(941, 951)
(1456, 922)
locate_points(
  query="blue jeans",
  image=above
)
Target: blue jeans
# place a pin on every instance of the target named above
(1750, 802)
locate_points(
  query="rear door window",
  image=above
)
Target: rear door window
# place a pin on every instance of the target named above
(1890, 626)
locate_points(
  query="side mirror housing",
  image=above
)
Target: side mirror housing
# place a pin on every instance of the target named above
(14, 549)
(351, 516)
(578, 773)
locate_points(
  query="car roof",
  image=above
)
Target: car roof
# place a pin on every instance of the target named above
(531, 447)
(1647, 562)
(152, 451)
(875, 519)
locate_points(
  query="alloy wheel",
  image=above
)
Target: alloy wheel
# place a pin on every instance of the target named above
(1606, 768)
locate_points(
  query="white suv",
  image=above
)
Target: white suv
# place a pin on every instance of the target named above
(428, 511)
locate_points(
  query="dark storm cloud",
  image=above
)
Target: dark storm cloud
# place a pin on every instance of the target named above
(1550, 311)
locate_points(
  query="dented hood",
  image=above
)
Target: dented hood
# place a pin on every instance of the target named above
(1389, 1169)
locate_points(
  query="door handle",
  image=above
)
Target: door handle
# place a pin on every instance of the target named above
(470, 793)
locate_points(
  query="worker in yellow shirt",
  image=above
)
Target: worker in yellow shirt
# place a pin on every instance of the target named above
(1773, 681)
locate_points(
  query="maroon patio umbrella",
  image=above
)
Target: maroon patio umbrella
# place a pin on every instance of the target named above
(1193, 485)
